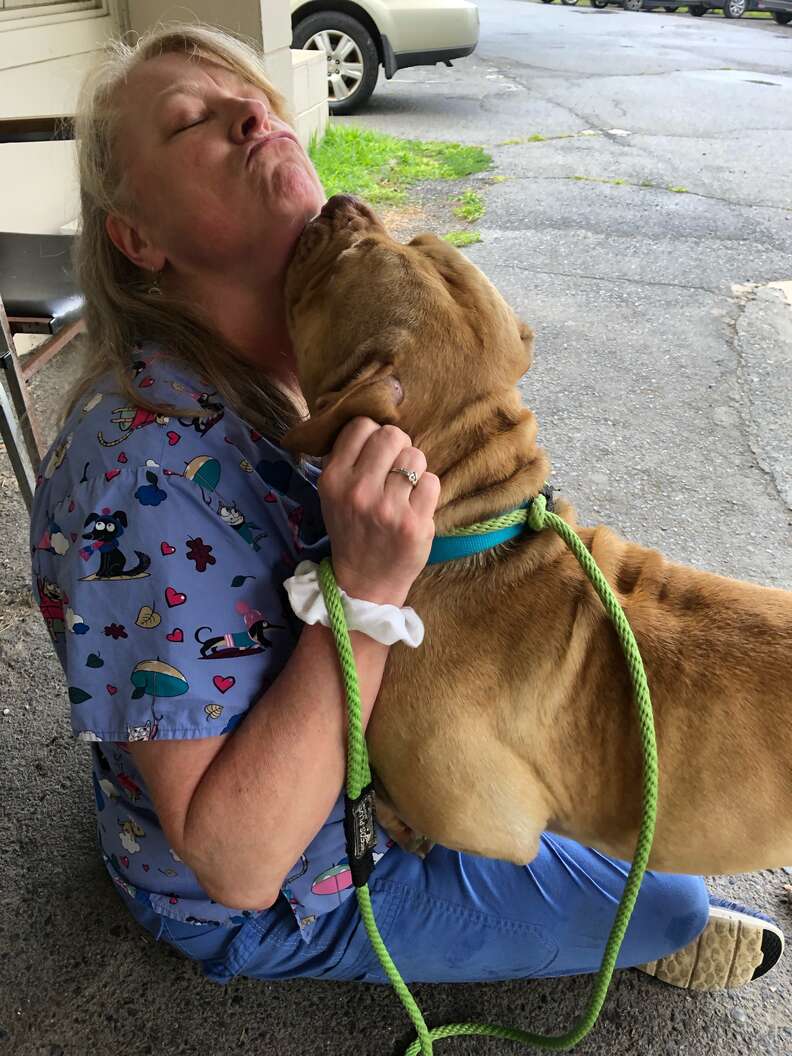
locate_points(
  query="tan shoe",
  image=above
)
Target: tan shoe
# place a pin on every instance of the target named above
(736, 946)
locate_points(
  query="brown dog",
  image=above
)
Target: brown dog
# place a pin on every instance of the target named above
(516, 714)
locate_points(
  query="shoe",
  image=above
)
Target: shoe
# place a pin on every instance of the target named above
(736, 946)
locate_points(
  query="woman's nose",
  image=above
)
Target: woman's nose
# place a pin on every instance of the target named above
(251, 120)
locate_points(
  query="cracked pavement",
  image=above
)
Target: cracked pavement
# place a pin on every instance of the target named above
(664, 396)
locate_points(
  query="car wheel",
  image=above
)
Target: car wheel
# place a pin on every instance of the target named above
(352, 59)
(569, 3)
(697, 10)
(633, 5)
(734, 8)
(599, 4)
(783, 18)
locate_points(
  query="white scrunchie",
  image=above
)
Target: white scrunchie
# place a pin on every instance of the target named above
(384, 623)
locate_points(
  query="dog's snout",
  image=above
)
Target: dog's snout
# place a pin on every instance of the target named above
(337, 204)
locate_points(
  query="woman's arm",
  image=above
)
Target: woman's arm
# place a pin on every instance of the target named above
(241, 809)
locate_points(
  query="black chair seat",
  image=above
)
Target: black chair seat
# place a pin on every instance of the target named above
(36, 282)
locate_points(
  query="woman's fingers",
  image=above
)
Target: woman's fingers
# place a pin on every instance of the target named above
(379, 452)
(397, 483)
(351, 441)
(426, 495)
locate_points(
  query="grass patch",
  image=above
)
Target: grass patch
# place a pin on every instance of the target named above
(380, 168)
(471, 206)
(462, 238)
(678, 190)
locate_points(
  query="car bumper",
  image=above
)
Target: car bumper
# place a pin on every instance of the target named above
(392, 62)
(428, 28)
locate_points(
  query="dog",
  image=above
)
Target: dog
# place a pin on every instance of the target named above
(516, 714)
(104, 531)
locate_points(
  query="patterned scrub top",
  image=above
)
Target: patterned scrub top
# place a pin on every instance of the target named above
(160, 546)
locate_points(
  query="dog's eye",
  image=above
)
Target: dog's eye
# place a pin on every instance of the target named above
(110, 526)
(100, 526)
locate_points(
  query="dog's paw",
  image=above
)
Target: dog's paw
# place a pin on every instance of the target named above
(399, 831)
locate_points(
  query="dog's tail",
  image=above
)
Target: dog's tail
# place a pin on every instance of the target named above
(143, 563)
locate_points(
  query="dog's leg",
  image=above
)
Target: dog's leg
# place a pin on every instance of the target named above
(398, 830)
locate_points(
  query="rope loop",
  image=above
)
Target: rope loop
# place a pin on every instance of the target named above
(536, 513)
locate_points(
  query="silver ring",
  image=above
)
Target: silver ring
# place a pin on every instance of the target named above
(410, 474)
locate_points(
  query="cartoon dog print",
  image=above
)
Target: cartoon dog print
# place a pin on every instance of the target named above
(105, 529)
(239, 643)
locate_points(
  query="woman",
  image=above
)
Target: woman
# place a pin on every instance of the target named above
(165, 524)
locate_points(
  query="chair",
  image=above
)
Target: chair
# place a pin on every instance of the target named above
(37, 296)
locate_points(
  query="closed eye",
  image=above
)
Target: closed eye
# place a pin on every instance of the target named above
(190, 124)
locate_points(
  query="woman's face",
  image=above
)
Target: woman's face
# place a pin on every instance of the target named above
(219, 184)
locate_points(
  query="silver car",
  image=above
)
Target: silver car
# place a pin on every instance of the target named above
(360, 37)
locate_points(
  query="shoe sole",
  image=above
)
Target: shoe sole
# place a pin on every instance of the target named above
(732, 950)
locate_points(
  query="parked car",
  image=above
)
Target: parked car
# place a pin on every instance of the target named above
(638, 5)
(649, 5)
(781, 10)
(359, 36)
(730, 8)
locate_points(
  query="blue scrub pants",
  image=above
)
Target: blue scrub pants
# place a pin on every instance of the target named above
(457, 918)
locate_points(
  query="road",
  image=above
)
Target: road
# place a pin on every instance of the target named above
(664, 399)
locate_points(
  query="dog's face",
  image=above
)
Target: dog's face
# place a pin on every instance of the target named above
(106, 526)
(408, 334)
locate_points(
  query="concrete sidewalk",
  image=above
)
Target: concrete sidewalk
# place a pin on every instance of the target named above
(665, 399)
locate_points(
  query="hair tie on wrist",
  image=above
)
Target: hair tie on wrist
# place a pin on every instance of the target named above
(386, 624)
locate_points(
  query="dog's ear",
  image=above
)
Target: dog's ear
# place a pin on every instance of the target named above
(527, 338)
(121, 517)
(376, 393)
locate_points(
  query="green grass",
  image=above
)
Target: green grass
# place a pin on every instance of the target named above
(381, 168)
(471, 206)
(678, 190)
(462, 238)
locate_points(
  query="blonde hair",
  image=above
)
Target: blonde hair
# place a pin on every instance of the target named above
(122, 309)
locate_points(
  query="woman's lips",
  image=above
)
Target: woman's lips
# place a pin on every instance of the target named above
(264, 140)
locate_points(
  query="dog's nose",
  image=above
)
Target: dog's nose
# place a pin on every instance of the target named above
(338, 203)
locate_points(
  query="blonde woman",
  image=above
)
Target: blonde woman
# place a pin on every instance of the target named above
(166, 521)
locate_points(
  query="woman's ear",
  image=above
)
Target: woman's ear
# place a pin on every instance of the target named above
(133, 243)
(375, 395)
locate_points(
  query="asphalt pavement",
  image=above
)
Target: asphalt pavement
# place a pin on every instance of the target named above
(638, 237)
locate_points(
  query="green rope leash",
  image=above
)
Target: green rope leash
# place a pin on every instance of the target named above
(537, 517)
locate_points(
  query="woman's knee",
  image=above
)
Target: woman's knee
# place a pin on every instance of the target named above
(671, 912)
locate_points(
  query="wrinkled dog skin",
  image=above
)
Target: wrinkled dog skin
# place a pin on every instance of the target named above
(516, 714)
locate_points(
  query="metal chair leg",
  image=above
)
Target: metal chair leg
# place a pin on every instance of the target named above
(17, 448)
(18, 391)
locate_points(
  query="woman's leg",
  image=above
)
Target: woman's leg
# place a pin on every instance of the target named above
(456, 918)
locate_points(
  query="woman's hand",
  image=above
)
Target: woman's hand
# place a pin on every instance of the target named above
(380, 526)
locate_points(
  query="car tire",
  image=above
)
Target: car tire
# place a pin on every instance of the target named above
(353, 77)
(734, 8)
(547, 1)
(783, 18)
(633, 5)
(697, 10)
(599, 4)
(569, 3)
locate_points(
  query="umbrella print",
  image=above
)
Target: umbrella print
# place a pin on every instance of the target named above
(333, 881)
(205, 472)
(157, 679)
